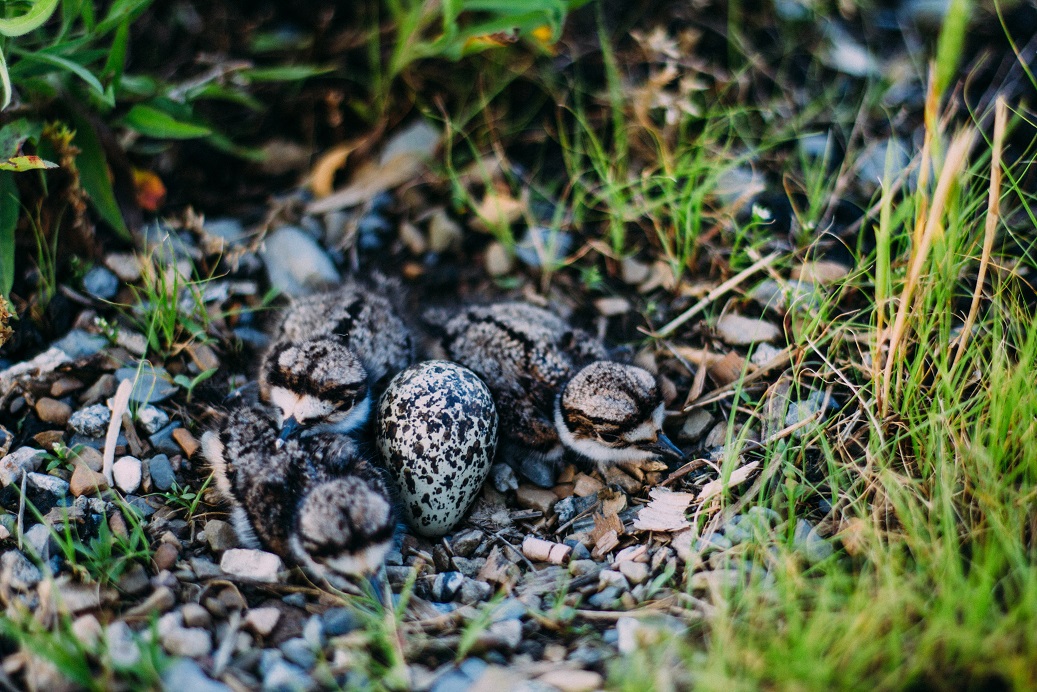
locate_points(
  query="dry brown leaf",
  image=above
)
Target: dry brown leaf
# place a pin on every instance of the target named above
(322, 175)
(372, 179)
(726, 370)
(496, 209)
(739, 475)
(665, 512)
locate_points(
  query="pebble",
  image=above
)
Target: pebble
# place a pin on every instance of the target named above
(498, 260)
(51, 485)
(135, 580)
(122, 645)
(542, 246)
(446, 586)
(38, 539)
(165, 556)
(506, 634)
(163, 441)
(53, 411)
(295, 264)
(503, 478)
(22, 459)
(125, 265)
(152, 419)
(161, 471)
(191, 642)
(612, 307)
(204, 568)
(150, 384)
(810, 543)
(195, 616)
(231, 230)
(339, 621)
(161, 600)
(18, 572)
(80, 344)
(635, 572)
(631, 271)
(539, 499)
(64, 386)
(128, 473)
(286, 677)
(466, 542)
(187, 676)
(91, 421)
(461, 678)
(88, 630)
(474, 591)
(89, 457)
(251, 565)
(736, 330)
(87, 482)
(298, 651)
(764, 353)
(99, 282)
(220, 535)
(262, 621)
(573, 680)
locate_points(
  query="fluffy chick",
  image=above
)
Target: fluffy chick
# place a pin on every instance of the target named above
(555, 387)
(314, 501)
(330, 350)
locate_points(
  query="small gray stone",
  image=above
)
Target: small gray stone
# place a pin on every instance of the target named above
(466, 542)
(251, 565)
(122, 645)
(91, 421)
(18, 572)
(52, 485)
(765, 516)
(460, 679)
(150, 384)
(152, 419)
(185, 675)
(128, 473)
(295, 263)
(229, 229)
(101, 283)
(163, 440)
(299, 652)
(80, 344)
(503, 478)
(339, 621)
(711, 544)
(195, 616)
(285, 677)
(446, 585)
(474, 591)
(161, 471)
(736, 533)
(810, 543)
(191, 642)
(38, 539)
(220, 535)
(635, 572)
(695, 426)
(506, 634)
(605, 598)
(22, 459)
(469, 566)
(135, 581)
(262, 621)
(313, 632)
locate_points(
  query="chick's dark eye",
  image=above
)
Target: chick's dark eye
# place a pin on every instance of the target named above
(608, 438)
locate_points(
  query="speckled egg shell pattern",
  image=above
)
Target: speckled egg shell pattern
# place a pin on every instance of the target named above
(437, 432)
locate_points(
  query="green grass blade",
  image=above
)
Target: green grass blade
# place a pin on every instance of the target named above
(33, 19)
(93, 175)
(9, 206)
(160, 125)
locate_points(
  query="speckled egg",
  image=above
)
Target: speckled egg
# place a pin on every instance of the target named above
(437, 433)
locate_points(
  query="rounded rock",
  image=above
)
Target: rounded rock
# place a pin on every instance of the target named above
(53, 411)
(128, 473)
(437, 433)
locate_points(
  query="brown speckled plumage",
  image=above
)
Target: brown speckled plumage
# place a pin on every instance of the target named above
(525, 354)
(608, 399)
(314, 501)
(364, 320)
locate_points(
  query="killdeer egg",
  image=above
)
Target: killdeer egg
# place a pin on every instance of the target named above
(437, 432)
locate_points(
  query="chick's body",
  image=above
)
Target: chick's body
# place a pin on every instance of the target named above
(313, 500)
(526, 355)
(364, 320)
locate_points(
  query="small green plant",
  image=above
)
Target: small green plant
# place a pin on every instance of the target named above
(187, 498)
(189, 383)
(62, 456)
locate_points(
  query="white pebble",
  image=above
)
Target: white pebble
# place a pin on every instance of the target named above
(128, 473)
(251, 565)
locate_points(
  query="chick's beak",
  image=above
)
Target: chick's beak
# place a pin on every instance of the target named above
(290, 426)
(665, 449)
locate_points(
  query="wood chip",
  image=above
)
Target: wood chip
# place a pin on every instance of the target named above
(605, 544)
(666, 511)
(138, 447)
(186, 440)
(539, 550)
(499, 570)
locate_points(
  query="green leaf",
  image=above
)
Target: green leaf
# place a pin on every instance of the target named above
(15, 134)
(34, 18)
(68, 65)
(9, 207)
(287, 73)
(93, 176)
(116, 61)
(155, 123)
(19, 164)
(5, 84)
